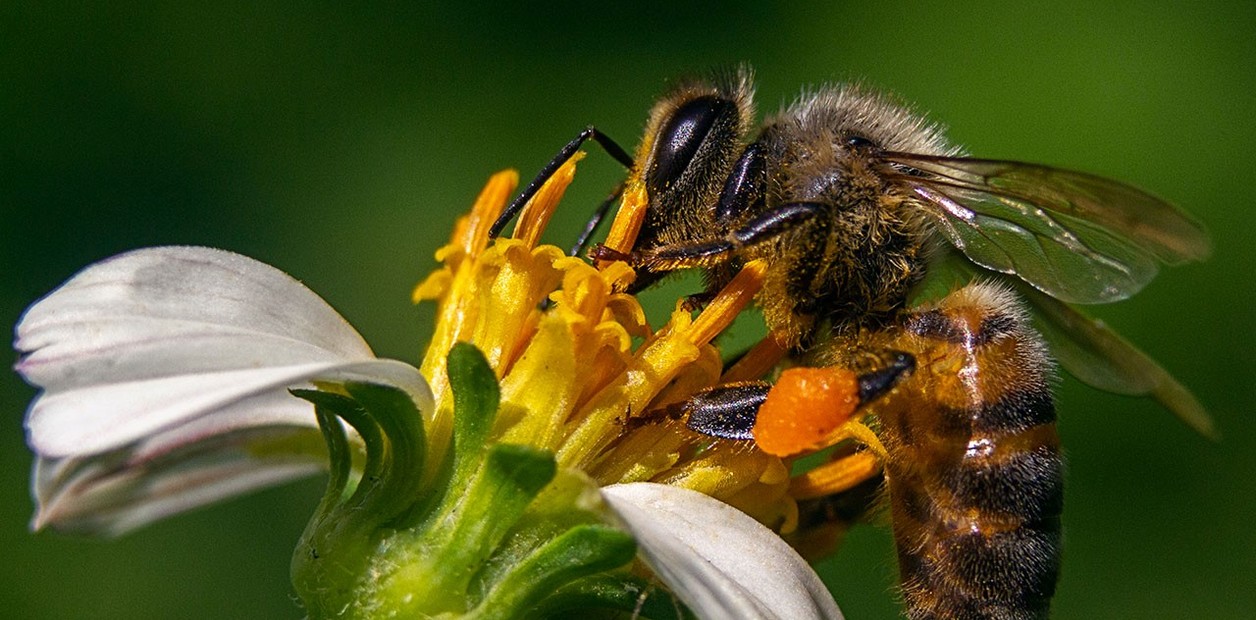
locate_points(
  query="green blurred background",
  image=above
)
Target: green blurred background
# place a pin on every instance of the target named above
(339, 144)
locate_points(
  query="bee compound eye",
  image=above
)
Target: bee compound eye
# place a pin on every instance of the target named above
(682, 136)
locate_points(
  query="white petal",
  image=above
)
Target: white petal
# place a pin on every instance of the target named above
(89, 420)
(165, 376)
(153, 338)
(718, 560)
(117, 318)
(254, 443)
(85, 496)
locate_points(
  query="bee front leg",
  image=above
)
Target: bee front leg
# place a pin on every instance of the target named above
(565, 153)
(717, 251)
(745, 187)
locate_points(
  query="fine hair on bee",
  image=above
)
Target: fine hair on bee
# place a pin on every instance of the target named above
(973, 467)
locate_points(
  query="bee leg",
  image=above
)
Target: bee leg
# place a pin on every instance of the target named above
(806, 402)
(727, 411)
(882, 380)
(600, 214)
(698, 301)
(548, 171)
(842, 473)
(761, 228)
(645, 278)
(849, 466)
(809, 407)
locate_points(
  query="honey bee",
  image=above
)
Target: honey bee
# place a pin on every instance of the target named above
(901, 267)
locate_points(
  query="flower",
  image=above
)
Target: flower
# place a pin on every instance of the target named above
(572, 380)
(175, 377)
(163, 375)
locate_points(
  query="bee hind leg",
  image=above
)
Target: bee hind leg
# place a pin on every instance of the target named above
(809, 407)
(800, 412)
(727, 411)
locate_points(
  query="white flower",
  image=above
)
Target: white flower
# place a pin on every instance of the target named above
(164, 377)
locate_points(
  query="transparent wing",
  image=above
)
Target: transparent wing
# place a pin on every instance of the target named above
(1086, 348)
(1077, 237)
(1089, 350)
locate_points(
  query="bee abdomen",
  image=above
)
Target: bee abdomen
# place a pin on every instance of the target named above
(980, 538)
(975, 473)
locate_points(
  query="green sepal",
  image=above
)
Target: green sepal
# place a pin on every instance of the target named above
(570, 500)
(582, 550)
(339, 455)
(461, 538)
(473, 504)
(336, 546)
(398, 486)
(476, 399)
(496, 532)
(614, 591)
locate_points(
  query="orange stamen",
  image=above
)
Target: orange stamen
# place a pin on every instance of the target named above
(628, 220)
(730, 301)
(835, 476)
(536, 214)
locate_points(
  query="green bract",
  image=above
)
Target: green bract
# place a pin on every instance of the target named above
(499, 532)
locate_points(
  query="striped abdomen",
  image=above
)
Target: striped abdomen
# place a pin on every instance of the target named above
(975, 473)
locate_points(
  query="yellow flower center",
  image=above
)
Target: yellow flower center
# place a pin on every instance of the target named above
(585, 376)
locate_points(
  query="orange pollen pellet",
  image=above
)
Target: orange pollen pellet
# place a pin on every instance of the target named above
(803, 408)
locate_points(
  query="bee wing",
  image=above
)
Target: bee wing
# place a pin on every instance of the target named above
(1098, 356)
(1086, 348)
(1077, 237)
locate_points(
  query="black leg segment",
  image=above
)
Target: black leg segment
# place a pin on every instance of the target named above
(582, 241)
(590, 133)
(762, 228)
(880, 381)
(745, 187)
(727, 411)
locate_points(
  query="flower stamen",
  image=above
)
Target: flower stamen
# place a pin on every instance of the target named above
(537, 212)
(730, 301)
(627, 224)
(585, 375)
